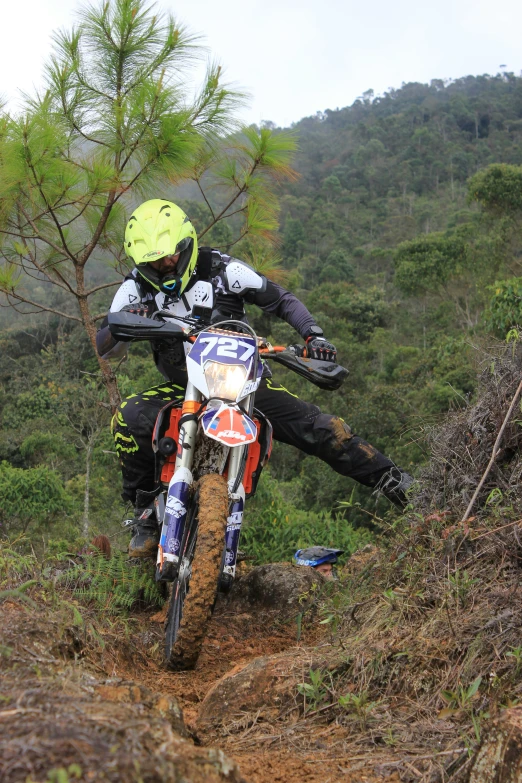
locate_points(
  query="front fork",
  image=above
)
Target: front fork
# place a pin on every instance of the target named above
(178, 494)
(235, 516)
(236, 492)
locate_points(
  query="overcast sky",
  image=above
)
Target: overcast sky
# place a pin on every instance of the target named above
(296, 57)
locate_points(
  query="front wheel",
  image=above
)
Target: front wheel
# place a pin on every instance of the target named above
(194, 590)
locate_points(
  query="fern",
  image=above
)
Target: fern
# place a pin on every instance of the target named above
(113, 585)
(15, 564)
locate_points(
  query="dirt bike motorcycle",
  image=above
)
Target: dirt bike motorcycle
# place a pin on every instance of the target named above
(210, 450)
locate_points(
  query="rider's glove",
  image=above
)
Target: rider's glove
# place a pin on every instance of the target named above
(316, 348)
(320, 348)
(137, 309)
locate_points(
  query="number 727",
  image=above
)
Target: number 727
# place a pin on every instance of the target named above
(228, 347)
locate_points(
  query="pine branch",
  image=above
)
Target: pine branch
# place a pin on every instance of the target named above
(40, 307)
(41, 237)
(84, 257)
(240, 237)
(196, 179)
(101, 287)
(62, 282)
(223, 212)
(80, 213)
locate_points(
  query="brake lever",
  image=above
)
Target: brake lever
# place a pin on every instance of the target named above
(193, 323)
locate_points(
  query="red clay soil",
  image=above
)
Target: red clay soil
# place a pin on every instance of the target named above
(231, 639)
(60, 721)
(237, 638)
(287, 766)
(294, 750)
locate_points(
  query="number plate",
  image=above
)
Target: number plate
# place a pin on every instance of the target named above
(225, 350)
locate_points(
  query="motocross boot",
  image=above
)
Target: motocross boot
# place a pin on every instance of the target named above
(394, 484)
(146, 533)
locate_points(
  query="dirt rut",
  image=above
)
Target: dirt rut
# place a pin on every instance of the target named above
(98, 703)
(289, 750)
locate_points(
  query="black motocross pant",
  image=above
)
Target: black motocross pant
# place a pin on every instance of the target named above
(294, 421)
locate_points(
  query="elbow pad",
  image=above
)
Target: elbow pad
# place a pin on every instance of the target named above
(118, 352)
(107, 346)
(241, 279)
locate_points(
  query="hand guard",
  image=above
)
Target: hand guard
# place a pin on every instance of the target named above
(137, 309)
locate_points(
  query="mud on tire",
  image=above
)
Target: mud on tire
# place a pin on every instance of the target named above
(212, 511)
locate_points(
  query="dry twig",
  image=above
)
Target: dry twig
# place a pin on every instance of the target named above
(496, 448)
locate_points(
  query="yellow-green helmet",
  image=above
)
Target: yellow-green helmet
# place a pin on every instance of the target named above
(159, 228)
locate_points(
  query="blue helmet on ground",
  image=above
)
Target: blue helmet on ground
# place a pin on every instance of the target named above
(316, 555)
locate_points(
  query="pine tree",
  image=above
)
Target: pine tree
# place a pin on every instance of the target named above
(114, 125)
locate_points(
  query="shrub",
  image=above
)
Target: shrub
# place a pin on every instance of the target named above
(31, 496)
(275, 529)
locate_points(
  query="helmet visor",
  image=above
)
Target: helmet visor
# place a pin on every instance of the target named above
(169, 279)
(183, 244)
(173, 275)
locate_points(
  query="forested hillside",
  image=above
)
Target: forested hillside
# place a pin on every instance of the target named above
(402, 233)
(390, 247)
(384, 240)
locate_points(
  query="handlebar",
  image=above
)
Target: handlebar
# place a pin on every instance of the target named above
(325, 375)
(269, 353)
(125, 326)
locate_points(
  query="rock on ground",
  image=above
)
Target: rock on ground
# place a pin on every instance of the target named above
(278, 586)
(261, 688)
(499, 757)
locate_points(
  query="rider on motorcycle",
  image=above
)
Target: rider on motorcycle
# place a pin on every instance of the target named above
(162, 242)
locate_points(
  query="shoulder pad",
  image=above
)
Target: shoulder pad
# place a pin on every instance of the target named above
(240, 278)
(127, 293)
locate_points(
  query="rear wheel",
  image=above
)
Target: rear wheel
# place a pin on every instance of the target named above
(194, 590)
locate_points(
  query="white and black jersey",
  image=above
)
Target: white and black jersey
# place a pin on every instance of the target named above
(225, 285)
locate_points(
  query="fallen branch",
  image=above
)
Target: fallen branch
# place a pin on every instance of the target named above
(496, 529)
(494, 453)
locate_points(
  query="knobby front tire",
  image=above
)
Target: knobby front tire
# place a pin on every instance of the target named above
(192, 599)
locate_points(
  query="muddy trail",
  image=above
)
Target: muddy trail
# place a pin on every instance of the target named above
(399, 688)
(260, 657)
(84, 702)
(408, 669)
(243, 694)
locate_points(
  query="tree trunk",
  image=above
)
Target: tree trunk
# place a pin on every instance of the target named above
(499, 757)
(108, 376)
(86, 497)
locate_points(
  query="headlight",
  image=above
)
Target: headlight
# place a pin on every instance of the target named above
(224, 380)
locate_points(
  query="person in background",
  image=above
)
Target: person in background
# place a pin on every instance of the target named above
(320, 558)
